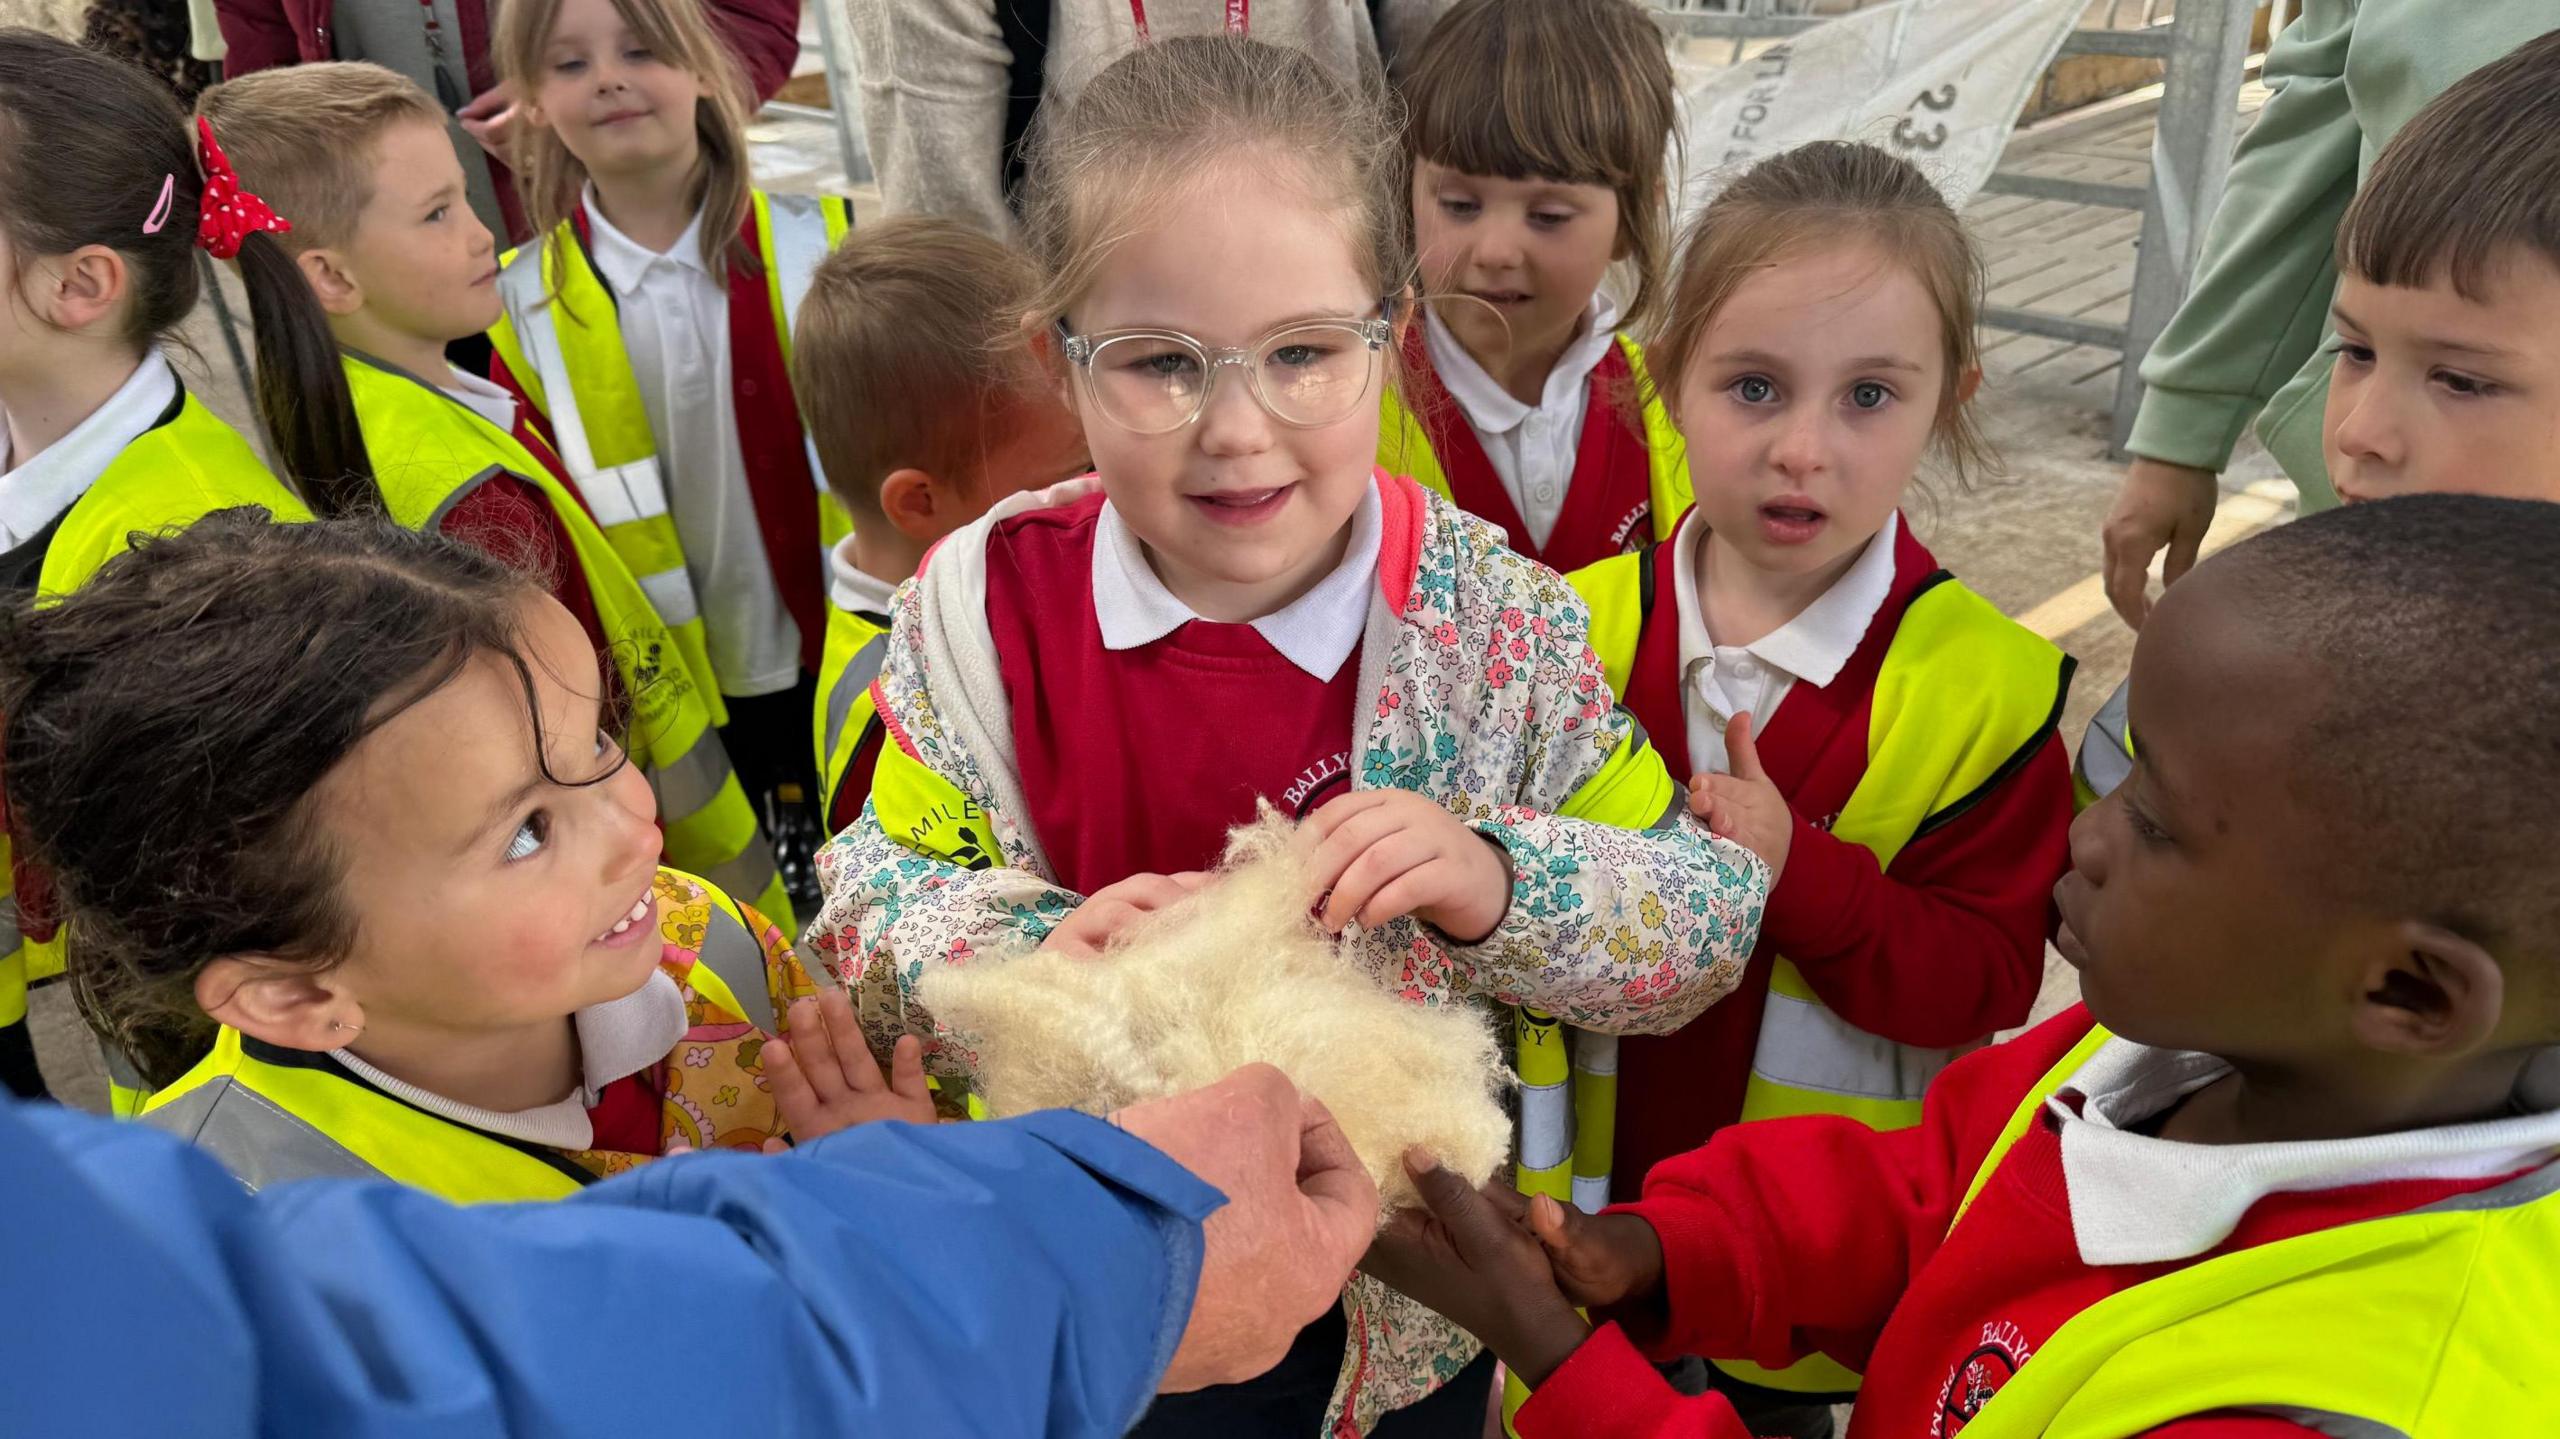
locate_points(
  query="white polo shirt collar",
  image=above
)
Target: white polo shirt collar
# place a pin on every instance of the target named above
(1317, 632)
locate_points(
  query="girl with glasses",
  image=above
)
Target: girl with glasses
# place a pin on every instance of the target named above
(1087, 688)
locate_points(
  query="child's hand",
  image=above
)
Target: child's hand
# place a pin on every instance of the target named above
(1468, 1258)
(1601, 1260)
(1744, 806)
(1114, 907)
(1382, 854)
(824, 1078)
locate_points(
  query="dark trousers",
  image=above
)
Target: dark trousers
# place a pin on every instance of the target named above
(1288, 1401)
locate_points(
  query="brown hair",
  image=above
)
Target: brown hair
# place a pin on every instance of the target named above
(1575, 91)
(1826, 193)
(549, 178)
(1162, 116)
(2473, 176)
(908, 349)
(303, 139)
(85, 144)
(248, 659)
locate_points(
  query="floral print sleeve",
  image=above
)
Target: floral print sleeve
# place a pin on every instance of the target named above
(1633, 920)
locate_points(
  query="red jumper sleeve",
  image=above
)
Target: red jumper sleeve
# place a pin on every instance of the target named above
(1945, 946)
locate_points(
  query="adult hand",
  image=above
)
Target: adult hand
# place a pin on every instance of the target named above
(1299, 1210)
(2160, 505)
(1381, 854)
(1088, 929)
(1745, 806)
(1467, 1255)
(491, 118)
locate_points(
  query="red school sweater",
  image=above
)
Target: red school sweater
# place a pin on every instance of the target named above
(1797, 1235)
(1139, 761)
(1940, 949)
(1608, 505)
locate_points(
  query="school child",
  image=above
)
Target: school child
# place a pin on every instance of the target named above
(1538, 136)
(355, 159)
(2446, 373)
(1873, 728)
(652, 326)
(2288, 1171)
(386, 901)
(1087, 687)
(101, 211)
(926, 405)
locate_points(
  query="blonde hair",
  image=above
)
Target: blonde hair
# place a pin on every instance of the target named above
(1161, 117)
(909, 350)
(303, 138)
(1824, 194)
(549, 178)
(1576, 91)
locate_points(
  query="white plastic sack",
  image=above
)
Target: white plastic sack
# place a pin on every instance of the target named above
(1939, 82)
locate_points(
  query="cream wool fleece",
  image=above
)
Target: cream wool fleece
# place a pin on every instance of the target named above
(1237, 973)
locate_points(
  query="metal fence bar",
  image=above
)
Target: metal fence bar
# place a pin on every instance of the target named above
(2190, 159)
(2047, 325)
(2072, 192)
(844, 90)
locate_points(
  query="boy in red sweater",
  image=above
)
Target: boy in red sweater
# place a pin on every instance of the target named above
(2305, 1178)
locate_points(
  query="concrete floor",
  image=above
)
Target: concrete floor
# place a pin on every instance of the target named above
(2027, 539)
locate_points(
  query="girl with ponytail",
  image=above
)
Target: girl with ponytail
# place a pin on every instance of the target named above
(102, 206)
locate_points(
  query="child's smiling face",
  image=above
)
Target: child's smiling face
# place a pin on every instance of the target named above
(491, 892)
(2436, 392)
(1240, 513)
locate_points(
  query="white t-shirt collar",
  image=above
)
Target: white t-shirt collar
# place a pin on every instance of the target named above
(1492, 409)
(623, 261)
(485, 398)
(616, 1039)
(1814, 645)
(854, 588)
(2141, 1200)
(1317, 632)
(35, 494)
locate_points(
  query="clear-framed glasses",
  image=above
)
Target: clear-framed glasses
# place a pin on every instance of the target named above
(1306, 374)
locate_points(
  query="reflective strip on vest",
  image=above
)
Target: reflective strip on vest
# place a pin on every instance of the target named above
(260, 1143)
(1546, 1105)
(2106, 749)
(848, 687)
(629, 500)
(731, 952)
(1595, 1117)
(273, 1122)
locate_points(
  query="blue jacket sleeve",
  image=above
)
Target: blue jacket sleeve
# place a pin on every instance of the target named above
(1030, 1277)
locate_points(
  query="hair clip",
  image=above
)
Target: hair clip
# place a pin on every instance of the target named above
(160, 208)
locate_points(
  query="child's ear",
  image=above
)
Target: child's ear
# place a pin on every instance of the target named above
(285, 1005)
(2431, 994)
(1408, 309)
(331, 281)
(87, 285)
(916, 506)
(1967, 383)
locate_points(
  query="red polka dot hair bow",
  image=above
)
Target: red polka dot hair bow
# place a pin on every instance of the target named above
(228, 214)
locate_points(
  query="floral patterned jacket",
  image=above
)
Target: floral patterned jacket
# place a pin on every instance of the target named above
(1626, 916)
